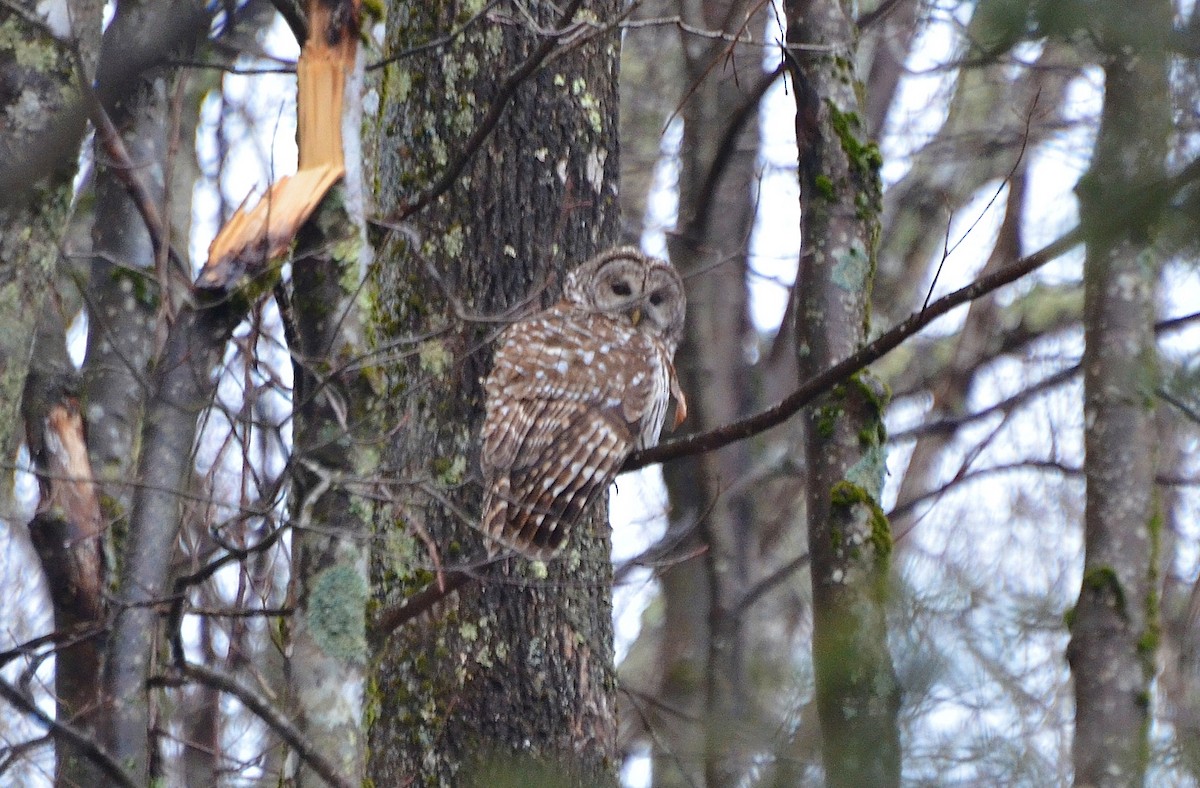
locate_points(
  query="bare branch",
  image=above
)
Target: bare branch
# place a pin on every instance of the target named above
(266, 711)
(843, 370)
(768, 583)
(504, 94)
(440, 41)
(408, 609)
(952, 424)
(124, 168)
(725, 149)
(68, 736)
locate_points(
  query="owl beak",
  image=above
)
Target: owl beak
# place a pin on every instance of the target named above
(636, 315)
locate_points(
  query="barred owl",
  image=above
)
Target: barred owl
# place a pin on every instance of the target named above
(572, 392)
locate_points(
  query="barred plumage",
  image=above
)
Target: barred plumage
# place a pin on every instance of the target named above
(573, 390)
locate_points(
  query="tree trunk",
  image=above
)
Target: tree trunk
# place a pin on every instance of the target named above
(326, 664)
(66, 529)
(41, 71)
(123, 300)
(1114, 632)
(516, 671)
(704, 653)
(849, 537)
(652, 75)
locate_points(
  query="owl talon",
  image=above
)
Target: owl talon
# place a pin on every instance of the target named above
(680, 410)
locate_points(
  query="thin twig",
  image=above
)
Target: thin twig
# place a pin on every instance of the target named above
(68, 736)
(413, 606)
(504, 94)
(396, 616)
(952, 424)
(732, 40)
(266, 711)
(947, 249)
(726, 147)
(61, 639)
(1187, 410)
(762, 587)
(435, 43)
(125, 170)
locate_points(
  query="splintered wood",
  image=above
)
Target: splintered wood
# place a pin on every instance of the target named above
(253, 237)
(68, 526)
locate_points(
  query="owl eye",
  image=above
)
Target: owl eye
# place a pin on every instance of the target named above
(656, 299)
(622, 289)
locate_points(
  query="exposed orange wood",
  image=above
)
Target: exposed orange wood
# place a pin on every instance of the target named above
(325, 62)
(69, 525)
(251, 238)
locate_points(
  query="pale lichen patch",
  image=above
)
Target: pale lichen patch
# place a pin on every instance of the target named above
(336, 612)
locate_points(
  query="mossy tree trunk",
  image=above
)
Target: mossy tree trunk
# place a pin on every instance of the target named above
(1114, 630)
(514, 672)
(33, 233)
(849, 540)
(40, 80)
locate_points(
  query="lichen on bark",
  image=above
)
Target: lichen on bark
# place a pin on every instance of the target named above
(517, 669)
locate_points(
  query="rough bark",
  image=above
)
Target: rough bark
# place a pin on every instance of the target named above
(849, 538)
(143, 40)
(515, 671)
(38, 79)
(1114, 628)
(66, 528)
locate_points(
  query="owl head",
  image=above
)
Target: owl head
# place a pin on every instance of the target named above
(629, 286)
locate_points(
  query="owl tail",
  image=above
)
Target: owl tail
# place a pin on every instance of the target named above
(532, 510)
(503, 533)
(535, 531)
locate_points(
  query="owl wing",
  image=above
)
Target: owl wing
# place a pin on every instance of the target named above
(565, 408)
